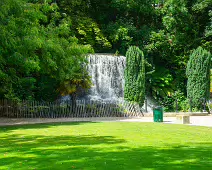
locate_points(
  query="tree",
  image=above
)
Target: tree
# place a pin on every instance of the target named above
(38, 52)
(135, 75)
(198, 73)
(84, 27)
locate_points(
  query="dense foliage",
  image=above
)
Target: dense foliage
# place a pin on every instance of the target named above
(135, 75)
(43, 43)
(39, 56)
(198, 72)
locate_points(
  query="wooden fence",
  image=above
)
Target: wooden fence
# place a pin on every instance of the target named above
(62, 109)
(209, 105)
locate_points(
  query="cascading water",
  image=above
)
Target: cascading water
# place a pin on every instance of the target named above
(107, 73)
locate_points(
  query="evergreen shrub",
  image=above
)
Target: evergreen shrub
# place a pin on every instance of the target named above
(198, 73)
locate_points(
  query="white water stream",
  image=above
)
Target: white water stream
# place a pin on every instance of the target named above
(107, 73)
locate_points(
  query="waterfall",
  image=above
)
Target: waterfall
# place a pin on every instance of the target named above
(107, 73)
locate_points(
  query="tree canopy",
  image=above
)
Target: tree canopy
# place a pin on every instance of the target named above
(39, 52)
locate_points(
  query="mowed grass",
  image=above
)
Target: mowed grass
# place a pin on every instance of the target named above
(105, 146)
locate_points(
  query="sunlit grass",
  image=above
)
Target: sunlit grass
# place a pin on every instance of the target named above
(108, 146)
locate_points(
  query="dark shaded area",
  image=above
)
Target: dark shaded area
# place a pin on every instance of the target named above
(44, 125)
(85, 152)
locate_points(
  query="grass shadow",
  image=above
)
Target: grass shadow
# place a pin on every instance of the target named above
(41, 125)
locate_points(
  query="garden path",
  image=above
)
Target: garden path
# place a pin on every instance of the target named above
(194, 120)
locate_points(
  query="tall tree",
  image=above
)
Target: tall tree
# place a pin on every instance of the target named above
(198, 72)
(39, 52)
(135, 75)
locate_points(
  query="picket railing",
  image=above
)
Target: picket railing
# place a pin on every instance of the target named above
(209, 105)
(62, 109)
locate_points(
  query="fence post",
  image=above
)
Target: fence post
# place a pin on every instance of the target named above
(146, 105)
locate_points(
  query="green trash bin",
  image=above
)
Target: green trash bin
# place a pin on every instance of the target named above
(158, 114)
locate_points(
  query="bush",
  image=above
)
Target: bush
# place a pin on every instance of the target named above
(198, 73)
(176, 101)
(184, 105)
(134, 89)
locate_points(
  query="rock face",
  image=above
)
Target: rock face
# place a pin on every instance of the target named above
(107, 73)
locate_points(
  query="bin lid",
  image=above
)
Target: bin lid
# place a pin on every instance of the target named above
(157, 107)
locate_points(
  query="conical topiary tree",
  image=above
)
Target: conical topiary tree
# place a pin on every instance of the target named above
(135, 75)
(198, 73)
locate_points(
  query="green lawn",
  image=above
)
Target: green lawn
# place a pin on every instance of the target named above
(108, 146)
